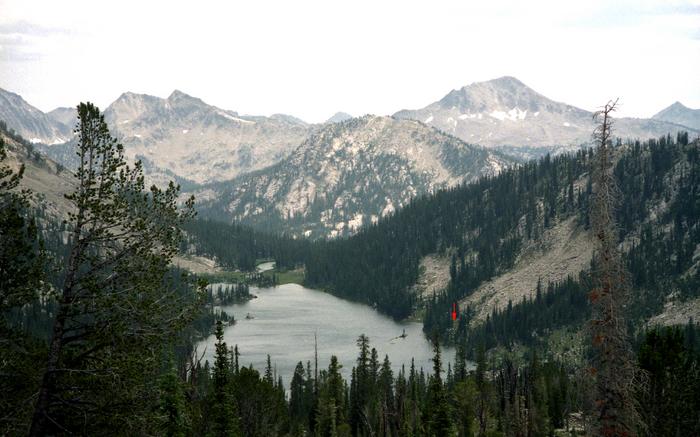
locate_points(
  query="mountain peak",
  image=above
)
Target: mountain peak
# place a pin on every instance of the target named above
(500, 94)
(678, 105)
(177, 94)
(505, 80)
(678, 113)
(130, 98)
(339, 117)
(129, 95)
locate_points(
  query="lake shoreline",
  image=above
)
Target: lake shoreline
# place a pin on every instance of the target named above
(287, 317)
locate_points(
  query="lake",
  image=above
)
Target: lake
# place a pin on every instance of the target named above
(286, 318)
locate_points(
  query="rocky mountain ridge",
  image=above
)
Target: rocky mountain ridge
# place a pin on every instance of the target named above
(348, 174)
(506, 112)
(30, 122)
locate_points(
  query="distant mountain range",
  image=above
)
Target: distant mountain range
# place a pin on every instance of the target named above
(349, 174)
(506, 112)
(178, 136)
(200, 142)
(30, 122)
(183, 137)
(281, 173)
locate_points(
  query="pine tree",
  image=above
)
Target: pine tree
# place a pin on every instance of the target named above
(22, 278)
(223, 417)
(437, 413)
(331, 415)
(173, 414)
(387, 408)
(361, 388)
(298, 409)
(114, 310)
(269, 378)
(670, 405)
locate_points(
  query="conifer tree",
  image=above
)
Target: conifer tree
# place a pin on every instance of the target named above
(297, 397)
(114, 310)
(172, 409)
(361, 388)
(437, 413)
(22, 279)
(387, 408)
(331, 415)
(224, 417)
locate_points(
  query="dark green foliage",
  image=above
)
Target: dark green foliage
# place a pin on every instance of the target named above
(22, 282)
(531, 320)
(437, 415)
(113, 314)
(670, 405)
(332, 415)
(261, 405)
(223, 419)
(172, 411)
(240, 247)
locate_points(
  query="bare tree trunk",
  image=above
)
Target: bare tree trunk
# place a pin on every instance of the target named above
(613, 368)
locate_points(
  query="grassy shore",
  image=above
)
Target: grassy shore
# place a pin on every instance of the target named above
(295, 276)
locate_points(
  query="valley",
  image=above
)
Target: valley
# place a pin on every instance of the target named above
(361, 255)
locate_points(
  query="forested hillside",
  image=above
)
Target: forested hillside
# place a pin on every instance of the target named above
(482, 226)
(238, 247)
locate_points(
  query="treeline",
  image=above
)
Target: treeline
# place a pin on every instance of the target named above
(508, 399)
(240, 247)
(527, 322)
(536, 396)
(228, 294)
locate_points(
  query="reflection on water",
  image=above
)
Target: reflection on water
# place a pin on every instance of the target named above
(285, 318)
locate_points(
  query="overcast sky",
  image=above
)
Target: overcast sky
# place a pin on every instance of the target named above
(313, 58)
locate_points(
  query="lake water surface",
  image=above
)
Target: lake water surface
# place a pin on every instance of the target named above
(286, 318)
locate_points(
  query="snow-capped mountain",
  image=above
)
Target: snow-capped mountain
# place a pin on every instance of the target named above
(349, 174)
(197, 141)
(506, 112)
(30, 122)
(680, 114)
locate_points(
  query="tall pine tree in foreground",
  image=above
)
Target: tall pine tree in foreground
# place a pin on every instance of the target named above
(613, 363)
(114, 312)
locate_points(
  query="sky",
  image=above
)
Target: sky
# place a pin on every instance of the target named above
(311, 59)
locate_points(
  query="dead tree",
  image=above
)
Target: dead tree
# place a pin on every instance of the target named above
(613, 367)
